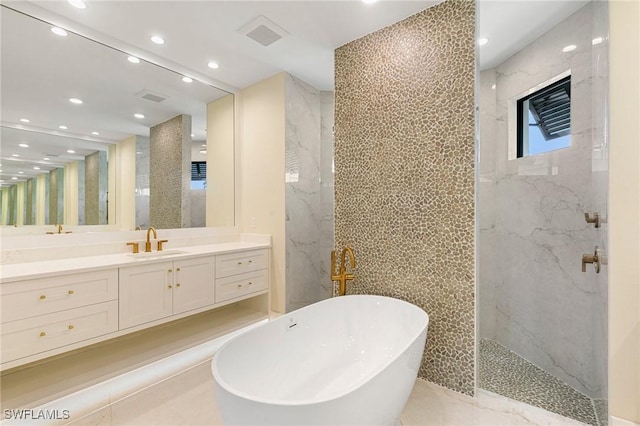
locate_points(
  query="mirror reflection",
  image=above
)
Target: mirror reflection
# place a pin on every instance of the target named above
(91, 135)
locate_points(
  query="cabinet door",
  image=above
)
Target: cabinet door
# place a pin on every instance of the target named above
(145, 293)
(194, 284)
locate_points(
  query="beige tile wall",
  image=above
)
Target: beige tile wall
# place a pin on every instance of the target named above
(405, 171)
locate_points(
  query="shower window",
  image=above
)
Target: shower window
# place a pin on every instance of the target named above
(544, 119)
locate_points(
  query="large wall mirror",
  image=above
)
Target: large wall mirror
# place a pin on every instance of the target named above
(78, 115)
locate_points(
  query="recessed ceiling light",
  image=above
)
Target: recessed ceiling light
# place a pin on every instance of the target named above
(193, 135)
(597, 40)
(15, 155)
(133, 60)
(71, 151)
(157, 39)
(75, 101)
(569, 48)
(14, 178)
(138, 115)
(95, 133)
(369, 1)
(59, 31)
(77, 3)
(20, 172)
(187, 79)
(493, 87)
(36, 168)
(25, 120)
(482, 41)
(23, 145)
(203, 151)
(46, 158)
(62, 127)
(213, 65)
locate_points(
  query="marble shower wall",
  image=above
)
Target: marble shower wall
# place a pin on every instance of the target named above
(405, 175)
(308, 192)
(142, 190)
(534, 299)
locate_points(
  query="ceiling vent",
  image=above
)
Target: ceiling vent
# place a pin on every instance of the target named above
(151, 96)
(263, 30)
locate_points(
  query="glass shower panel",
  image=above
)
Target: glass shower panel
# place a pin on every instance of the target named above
(542, 320)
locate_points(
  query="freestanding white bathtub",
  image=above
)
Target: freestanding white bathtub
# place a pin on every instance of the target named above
(348, 360)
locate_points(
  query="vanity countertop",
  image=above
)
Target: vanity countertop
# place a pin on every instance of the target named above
(47, 268)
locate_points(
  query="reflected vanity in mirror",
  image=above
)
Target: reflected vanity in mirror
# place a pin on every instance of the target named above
(94, 136)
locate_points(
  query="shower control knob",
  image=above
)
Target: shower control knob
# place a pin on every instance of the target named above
(597, 259)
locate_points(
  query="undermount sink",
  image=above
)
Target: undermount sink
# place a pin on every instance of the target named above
(156, 254)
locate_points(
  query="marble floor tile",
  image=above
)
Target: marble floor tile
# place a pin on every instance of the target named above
(187, 399)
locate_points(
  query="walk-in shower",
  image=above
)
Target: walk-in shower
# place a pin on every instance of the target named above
(543, 171)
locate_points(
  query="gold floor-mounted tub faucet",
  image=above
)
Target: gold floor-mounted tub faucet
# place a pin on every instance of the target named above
(342, 277)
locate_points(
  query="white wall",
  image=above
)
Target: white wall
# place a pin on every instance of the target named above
(122, 181)
(624, 195)
(261, 115)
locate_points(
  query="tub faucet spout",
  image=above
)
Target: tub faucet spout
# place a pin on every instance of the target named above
(342, 277)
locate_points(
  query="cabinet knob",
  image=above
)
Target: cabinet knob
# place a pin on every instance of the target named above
(70, 327)
(178, 285)
(42, 334)
(42, 297)
(170, 270)
(239, 263)
(70, 292)
(169, 286)
(178, 269)
(250, 283)
(250, 261)
(239, 285)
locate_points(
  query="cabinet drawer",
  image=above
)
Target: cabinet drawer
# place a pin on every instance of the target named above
(240, 285)
(31, 298)
(238, 263)
(34, 335)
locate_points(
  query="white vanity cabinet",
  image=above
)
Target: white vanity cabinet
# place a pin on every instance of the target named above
(43, 314)
(53, 307)
(154, 291)
(241, 274)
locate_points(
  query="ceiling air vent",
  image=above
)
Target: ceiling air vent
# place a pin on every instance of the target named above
(263, 30)
(151, 96)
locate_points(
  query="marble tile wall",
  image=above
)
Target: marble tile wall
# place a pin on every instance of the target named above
(142, 190)
(405, 175)
(82, 181)
(308, 198)
(170, 173)
(534, 299)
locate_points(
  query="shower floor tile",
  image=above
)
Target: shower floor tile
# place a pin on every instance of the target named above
(506, 373)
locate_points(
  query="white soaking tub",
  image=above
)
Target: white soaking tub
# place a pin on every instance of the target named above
(349, 360)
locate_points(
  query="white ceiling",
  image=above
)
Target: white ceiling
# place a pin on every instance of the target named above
(36, 81)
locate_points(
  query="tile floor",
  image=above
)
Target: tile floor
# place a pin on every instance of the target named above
(506, 373)
(188, 399)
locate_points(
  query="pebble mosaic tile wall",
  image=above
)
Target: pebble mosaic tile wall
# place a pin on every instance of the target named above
(405, 167)
(170, 173)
